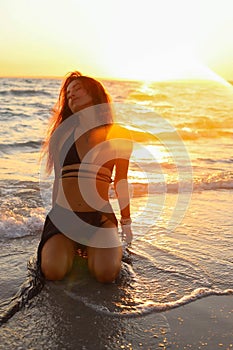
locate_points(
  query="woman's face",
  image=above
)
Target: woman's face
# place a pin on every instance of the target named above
(77, 96)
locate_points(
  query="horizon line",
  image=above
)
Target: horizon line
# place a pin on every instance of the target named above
(61, 77)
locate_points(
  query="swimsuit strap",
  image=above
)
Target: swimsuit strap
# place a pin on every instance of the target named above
(69, 154)
(85, 171)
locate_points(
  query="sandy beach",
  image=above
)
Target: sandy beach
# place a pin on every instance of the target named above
(203, 324)
(54, 321)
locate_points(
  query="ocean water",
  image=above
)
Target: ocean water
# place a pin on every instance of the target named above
(181, 185)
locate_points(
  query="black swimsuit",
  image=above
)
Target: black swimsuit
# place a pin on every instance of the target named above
(71, 156)
(93, 218)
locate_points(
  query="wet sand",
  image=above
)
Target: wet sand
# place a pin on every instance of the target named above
(53, 320)
(203, 324)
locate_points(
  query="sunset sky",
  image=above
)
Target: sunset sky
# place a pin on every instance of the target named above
(126, 39)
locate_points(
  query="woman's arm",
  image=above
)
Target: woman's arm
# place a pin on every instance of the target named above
(55, 183)
(124, 146)
(122, 192)
(121, 187)
(55, 191)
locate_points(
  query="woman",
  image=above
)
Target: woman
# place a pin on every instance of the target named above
(84, 146)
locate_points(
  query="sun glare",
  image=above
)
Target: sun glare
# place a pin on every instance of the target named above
(158, 153)
(169, 65)
(153, 40)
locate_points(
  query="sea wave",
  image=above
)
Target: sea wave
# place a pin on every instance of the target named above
(142, 189)
(177, 134)
(14, 225)
(5, 147)
(24, 93)
(190, 135)
(23, 212)
(206, 123)
(215, 161)
(150, 306)
(141, 96)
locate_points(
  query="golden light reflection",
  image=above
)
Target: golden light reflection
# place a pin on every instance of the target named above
(158, 153)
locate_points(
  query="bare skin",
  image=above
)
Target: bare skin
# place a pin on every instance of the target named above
(58, 256)
(58, 253)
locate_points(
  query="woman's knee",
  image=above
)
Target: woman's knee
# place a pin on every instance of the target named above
(53, 272)
(57, 257)
(106, 275)
(105, 264)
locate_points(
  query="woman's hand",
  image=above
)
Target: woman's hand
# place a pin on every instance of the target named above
(126, 233)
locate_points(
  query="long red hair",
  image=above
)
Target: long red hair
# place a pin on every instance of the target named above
(61, 110)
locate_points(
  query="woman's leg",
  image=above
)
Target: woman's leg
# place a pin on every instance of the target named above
(104, 263)
(57, 257)
(105, 253)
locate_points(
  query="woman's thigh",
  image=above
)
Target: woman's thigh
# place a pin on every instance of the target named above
(105, 253)
(57, 257)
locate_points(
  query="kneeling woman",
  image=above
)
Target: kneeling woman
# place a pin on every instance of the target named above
(84, 146)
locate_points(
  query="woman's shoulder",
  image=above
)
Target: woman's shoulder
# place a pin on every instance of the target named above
(119, 131)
